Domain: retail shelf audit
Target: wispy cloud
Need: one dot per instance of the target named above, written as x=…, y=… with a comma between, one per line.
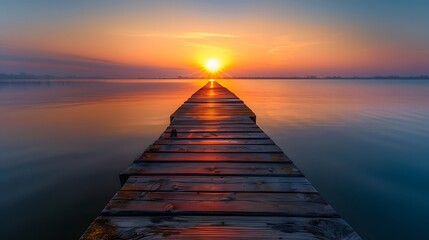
x=293, y=46
x=14, y=61
x=185, y=35
x=201, y=35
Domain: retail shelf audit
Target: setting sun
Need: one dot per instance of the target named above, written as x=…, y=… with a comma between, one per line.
x=212, y=65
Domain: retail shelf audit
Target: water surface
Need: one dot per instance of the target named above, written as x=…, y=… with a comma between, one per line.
x=364, y=144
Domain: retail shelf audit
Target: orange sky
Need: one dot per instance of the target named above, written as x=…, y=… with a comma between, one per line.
x=250, y=38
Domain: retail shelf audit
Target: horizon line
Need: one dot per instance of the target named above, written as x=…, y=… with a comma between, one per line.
x=12, y=76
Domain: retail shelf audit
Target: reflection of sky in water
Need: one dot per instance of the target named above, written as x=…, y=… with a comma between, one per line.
x=363, y=144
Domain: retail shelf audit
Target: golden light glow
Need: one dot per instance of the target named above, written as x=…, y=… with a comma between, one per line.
x=267, y=40
x=212, y=65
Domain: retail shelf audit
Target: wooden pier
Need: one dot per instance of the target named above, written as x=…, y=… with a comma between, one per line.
x=221, y=177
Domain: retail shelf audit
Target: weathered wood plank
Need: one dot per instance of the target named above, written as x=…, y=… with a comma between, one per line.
x=215, y=129
x=214, y=135
x=213, y=94
x=201, y=107
x=185, y=108
x=205, y=157
x=219, y=228
x=186, y=126
x=213, y=118
x=216, y=197
x=169, y=141
x=126, y=203
x=212, y=124
x=210, y=169
x=214, y=100
x=213, y=114
x=215, y=148
x=219, y=184
x=182, y=121
x=214, y=104
x=213, y=111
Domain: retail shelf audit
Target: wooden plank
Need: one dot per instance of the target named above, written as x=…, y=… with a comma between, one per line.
x=214, y=100
x=182, y=141
x=216, y=197
x=218, y=126
x=219, y=184
x=182, y=121
x=203, y=125
x=215, y=129
x=219, y=228
x=213, y=125
x=219, y=111
x=213, y=118
x=211, y=91
x=210, y=108
x=215, y=104
x=214, y=113
x=132, y=203
x=215, y=148
x=213, y=95
x=226, y=157
x=214, y=135
x=214, y=89
x=210, y=169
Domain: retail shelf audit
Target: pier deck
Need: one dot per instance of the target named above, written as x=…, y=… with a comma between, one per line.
x=222, y=177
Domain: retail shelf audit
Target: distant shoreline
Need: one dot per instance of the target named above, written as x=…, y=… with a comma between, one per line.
x=24, y=76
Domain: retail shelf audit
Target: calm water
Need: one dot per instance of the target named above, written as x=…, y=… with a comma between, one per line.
x=363, y=144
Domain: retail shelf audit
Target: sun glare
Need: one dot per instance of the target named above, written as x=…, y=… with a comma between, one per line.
x=212, y=65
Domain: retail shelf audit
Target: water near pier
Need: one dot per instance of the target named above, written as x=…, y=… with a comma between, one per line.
x=363, y=144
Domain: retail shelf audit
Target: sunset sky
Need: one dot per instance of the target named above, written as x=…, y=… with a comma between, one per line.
x=250, y=38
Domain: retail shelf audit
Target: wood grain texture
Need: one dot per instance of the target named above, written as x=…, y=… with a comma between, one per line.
x=215, y=148
x=213, y=100
x=212, y=168
x=219, y=177
x=213, y=118
x=132, y=203
x=172, y=125
x=219, y=228
x=186, y=121
x=219, y=184
x=217, y=157
x=233, y=135
x=209, y=129
x=236, y=141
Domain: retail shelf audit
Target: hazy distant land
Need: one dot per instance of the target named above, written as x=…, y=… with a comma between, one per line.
x=34, y=76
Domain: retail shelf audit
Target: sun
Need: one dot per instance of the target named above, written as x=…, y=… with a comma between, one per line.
x=212, y=65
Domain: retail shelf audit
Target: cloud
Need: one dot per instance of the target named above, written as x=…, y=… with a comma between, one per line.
x=289, y=46
x=201, y=35
x=185, y=36
x=37, y=62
